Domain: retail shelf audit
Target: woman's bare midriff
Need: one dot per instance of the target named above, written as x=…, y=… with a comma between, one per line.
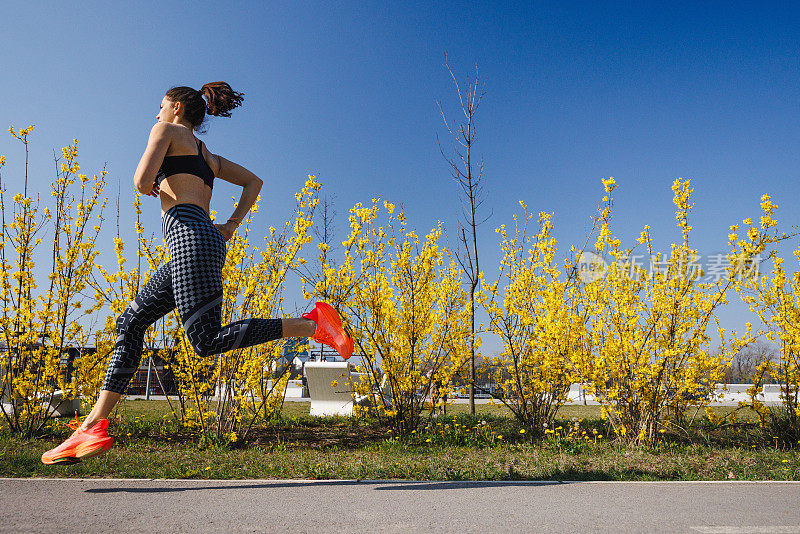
x=184, y=189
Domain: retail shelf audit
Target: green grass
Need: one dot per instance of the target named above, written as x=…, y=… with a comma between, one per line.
x=455, y=447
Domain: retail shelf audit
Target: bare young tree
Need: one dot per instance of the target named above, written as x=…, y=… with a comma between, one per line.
x=469, y=177
x=324, y=232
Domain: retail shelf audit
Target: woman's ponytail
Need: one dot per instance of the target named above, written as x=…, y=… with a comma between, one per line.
x=221, y=99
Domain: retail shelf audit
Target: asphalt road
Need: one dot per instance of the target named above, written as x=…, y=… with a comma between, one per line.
x=109, y=505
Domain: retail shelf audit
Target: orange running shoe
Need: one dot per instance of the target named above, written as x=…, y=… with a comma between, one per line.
x=81, y=444
x=330, y=330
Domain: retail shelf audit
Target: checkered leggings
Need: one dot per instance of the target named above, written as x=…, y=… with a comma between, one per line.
x=191, y=282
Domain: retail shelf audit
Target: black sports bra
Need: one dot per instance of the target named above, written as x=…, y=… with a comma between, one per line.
x=189, y=164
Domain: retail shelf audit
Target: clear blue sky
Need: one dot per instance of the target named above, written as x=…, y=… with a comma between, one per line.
x=644, y=92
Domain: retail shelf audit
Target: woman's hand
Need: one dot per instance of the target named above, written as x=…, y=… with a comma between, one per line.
x=226, y=230
x=155, y=191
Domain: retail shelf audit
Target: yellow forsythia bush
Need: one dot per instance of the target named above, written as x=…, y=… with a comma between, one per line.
x=39, y=322
x=648, y=331
x=402, y=298
x=538, y=316
x=775, y=299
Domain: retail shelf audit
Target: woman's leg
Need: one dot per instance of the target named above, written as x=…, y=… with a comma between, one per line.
x=153, y=302
x=298, y=327
x=108, y=399
x=102, y=408
x=197, y=252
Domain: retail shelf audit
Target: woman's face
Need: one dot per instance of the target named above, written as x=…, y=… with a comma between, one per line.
x=168, y=110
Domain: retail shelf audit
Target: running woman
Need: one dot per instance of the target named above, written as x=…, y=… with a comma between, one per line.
x=179, y=169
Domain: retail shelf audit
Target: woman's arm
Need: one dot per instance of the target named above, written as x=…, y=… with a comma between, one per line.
x=251, y=184
x=157, y=146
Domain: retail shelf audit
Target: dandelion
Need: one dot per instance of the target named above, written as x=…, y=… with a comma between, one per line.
x=521, y=430
x=208, y=469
